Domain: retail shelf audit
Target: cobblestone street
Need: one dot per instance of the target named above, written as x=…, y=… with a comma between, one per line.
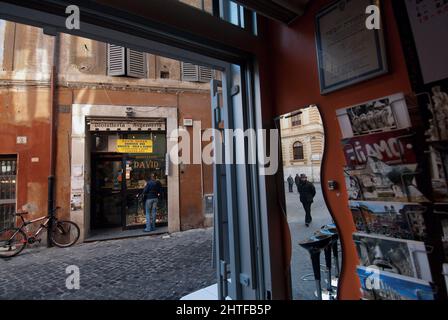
x=138, y=268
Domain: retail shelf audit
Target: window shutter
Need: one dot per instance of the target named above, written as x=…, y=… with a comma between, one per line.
x=136, y=64
x=116, y=60
x=190, y=72
x=205, y=74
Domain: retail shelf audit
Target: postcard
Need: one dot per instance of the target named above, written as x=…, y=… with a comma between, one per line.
x=405, y=257
x=390, y=219
x=380, y=285
x=378, y=181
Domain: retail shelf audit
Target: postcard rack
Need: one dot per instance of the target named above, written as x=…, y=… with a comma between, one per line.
x=396, y=177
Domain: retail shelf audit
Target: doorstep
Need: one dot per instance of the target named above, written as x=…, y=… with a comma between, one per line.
x=114, y=234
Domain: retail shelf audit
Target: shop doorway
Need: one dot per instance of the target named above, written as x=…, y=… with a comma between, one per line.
x=118, y=178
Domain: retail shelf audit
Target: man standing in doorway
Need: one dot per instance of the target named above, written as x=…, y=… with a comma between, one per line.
x=307, y=192
x=297, y=180
x=151, y=194
x=290, y=183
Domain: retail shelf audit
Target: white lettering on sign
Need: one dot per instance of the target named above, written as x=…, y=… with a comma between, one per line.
x=105, y=125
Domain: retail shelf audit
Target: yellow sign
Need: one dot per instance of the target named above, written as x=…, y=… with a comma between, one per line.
x=134, y=146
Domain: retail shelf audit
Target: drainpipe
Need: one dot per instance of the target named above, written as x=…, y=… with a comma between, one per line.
x=53, y=128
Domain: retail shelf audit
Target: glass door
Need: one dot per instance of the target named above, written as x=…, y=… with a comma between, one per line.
x=108, y=192
x=139, y=167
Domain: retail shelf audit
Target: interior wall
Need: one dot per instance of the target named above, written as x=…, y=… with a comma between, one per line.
x=295, y=83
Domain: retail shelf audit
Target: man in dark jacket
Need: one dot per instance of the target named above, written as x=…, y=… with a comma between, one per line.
x=151, y=194
x=290, y=183
x=307, y=192
x=297, y=180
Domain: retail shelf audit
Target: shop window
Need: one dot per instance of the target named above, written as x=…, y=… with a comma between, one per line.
x=123, y=61
x=194, y=73
x=298, y=151
x=8, y=172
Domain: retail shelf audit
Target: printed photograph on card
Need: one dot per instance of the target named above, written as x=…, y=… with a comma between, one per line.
x=390, y=219
x=439, y=167
x=372, y=117
x=378, y=181
x=379, y=285
x=404, y=257
x=375, y=116
x=445, y=273
x=442, y=214
x=394, y=147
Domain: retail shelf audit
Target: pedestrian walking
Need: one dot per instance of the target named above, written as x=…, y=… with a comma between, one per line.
x=297, y=181
x=290, y=183
x=307, y=193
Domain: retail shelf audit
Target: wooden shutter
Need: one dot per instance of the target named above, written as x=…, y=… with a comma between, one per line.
x=205, y=74
x=136, y=64
x=190, y=72
x=116, y=64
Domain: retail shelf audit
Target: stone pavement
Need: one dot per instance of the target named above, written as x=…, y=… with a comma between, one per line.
x=301, y=262
x=140, y=268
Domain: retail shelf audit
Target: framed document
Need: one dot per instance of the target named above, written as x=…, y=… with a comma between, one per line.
x=347, y=51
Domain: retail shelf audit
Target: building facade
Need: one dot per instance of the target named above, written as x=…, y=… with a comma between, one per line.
x=302, y=139
x=112, y=111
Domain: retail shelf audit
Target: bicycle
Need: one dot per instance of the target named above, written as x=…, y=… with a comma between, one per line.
x=13, y=240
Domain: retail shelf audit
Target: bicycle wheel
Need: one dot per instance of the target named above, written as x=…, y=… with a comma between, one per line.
x=64, y=233
x=12, y=242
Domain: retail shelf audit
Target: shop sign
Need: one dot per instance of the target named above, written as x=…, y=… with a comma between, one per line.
x=148, y=164
x=134, y=146
x=126, y=125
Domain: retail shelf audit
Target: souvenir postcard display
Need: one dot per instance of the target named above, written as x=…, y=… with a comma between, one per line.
x=389, y=207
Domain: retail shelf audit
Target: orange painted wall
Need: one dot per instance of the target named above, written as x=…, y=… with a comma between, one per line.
x=295, y=84
x=25, y=113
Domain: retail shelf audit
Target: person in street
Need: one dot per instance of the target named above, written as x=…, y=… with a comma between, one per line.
x=290, y=183
x=151, y=194
x=297, y=181
x=307, y=193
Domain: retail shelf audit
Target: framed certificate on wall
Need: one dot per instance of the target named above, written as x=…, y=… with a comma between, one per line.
x=347, y=51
